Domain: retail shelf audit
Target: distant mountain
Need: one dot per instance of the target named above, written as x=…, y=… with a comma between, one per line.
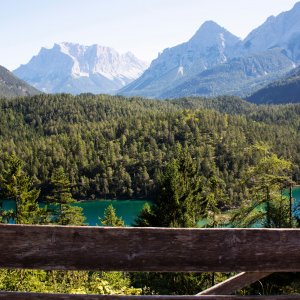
x=210, y=46
x=74, y=68
x=281, y=32
x=239, y=76
x=215, y=62
x=286, y=90
x=11, y=86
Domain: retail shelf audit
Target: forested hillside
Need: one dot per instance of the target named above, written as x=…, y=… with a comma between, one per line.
x=286, y=90
x=12, y=86
x=117, y=147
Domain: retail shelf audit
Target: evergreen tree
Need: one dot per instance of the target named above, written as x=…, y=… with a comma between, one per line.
x=110, y=218
x=213, y=195
x=145, y=217
x=178, y=202
x=60, y=200
x=265, y=182
x=15, y=184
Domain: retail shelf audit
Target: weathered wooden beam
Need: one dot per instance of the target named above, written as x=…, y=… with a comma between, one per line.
x=33, y=296
x=234, y=283
x=149, y=249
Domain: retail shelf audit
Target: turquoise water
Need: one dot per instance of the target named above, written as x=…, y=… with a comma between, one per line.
x=92, y=209
x=296, y=197
x=127, y=209
x=7, y=204
x=296, y=193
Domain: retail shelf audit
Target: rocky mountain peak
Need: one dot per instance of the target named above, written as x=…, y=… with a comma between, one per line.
x=210, y=33
x=74, y=68
x=282, y=31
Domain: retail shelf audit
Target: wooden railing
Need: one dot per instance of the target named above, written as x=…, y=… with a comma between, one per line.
x=255, y=252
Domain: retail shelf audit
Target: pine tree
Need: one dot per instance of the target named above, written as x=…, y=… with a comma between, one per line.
x=110, y=218
x=15, y=184
x=178, y=202
x=145, y=217
x=265, y=182
x=60, y=200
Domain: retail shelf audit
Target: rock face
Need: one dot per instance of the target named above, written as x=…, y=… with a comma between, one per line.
x=11, y=86
x=215, y=62
x=281, y=32
x=210, y=46
x=74, y=68
x=239, y=76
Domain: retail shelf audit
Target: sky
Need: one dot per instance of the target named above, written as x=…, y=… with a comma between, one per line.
x=144, y=27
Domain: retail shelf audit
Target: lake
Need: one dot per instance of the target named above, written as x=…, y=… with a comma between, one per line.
x=296, y=196
x=296, y=193
x=92, y=209
x=127, y=209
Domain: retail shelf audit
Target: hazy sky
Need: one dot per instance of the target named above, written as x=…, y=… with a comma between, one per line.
x=144, y=27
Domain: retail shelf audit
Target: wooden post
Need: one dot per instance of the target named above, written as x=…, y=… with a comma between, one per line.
x=234, y=283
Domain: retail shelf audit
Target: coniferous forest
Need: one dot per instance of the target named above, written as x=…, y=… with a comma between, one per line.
x=220, y=159
x=116, y=147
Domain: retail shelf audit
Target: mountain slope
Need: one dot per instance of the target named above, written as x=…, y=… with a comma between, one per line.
x=282, y=32
x=286, y=90
x=210, y=46
x=239, y=76
x=11, y=86
x=75, y=69
x=239, y=68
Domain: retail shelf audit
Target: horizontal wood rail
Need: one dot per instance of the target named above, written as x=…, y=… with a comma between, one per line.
x=149, y=249
x=36, y=296
x=257, y=252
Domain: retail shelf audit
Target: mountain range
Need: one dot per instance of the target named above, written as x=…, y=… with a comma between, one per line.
x=215, y=62
x=11, y=86
x=74, y=68
x=212, y=62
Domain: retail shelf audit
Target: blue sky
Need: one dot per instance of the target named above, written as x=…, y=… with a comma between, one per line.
x=144, y=27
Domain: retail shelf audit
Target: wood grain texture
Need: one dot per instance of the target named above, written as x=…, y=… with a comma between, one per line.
x=149, y=249
x=234, y=283
x=32, y=296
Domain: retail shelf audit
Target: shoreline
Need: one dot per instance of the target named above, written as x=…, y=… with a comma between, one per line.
x=96, y=199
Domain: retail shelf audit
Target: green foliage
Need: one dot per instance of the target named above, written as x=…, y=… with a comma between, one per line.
x=178, y=200
x=15, y=184
x=264, y=182
x=60, y=197
x=285, y=90
x=112, y=147
x=110, y=218
x=71, y=282
x=213, y=198
x=60, y=188
x=171, y=283
x=181, y=201
x=145, y=217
